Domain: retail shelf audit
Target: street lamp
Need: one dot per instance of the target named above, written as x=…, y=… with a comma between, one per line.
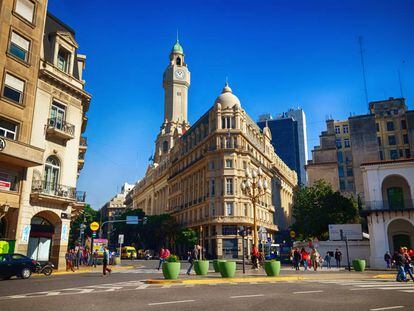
x=254, y=186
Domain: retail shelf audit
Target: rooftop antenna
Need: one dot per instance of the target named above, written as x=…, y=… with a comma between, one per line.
x=360, y=41
x=227, y=80
x=177, y=35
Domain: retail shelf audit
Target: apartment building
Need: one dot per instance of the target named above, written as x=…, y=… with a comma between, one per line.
x=42, y=118
x=197, y=171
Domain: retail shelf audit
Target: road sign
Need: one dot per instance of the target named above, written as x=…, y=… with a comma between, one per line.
x=292, y=234
x=121, y=239
x=132, y=220
x=94, y=234
x=94, y=226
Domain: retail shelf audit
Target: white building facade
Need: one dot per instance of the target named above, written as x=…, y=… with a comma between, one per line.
x=389, y=206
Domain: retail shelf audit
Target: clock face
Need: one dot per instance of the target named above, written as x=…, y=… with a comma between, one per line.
x=180, y=74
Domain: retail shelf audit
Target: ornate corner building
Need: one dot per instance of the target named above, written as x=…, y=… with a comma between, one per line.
x=43, y=105
x=197, y=171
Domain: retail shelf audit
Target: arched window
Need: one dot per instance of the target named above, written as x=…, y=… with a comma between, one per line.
x=165, y=146
x=52, y=171
x=178, y=61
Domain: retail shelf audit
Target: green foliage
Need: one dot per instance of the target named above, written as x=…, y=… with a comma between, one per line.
x=86, y=216
x=172, y=258
x=187, y=238
x=318, y=206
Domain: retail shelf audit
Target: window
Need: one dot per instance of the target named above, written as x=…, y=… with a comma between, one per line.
x=13, y=88
x=340, y=171
x=57, y=115
x=377, y=126
x=338, y=144
x=229, y=186
x=244, y=165
x=381, y=155
x=212, y=208
x=342, y=184
x=178, y=61
x=229, y=208
x=407, y=153
x=340, y=157
x=19, y=46
x=246, y=210
x=229, y=163
x=337, y=129
x=393, y=154
x=229, y=230
x=403, y=124
x=405, y=139
x=63, y=60
x=25, y=8
x=395, y=111
x=9, y=180
x=379, y=141
x=346, y=143
x=212, y=165
x=345, y=129
x=391, y=140
x=401, y=153
x=349, y=172
x=165, y=146
x=52, y=170
x=390, y=126
x=8, y=129
x=212, y=188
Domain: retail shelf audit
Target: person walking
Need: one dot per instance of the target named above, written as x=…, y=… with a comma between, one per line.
x=255, y=257
x=69, y=261
x=338, y=257
x=398, y=260
x=193, y=255
x=105, y=262
x=305, y=257
x=328, y=260
x=94, y=258
x=408, y=268
x=296, y=259
x=387, y=258
x=314, y=256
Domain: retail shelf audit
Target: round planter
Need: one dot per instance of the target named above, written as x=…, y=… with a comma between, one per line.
x=359, y=265
x=272, y=268
x=201, y=267
x=227, y=269
x=216, y=264
x=170, y=270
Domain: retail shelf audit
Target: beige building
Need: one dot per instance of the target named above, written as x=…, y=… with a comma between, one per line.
x=43, y=107
x=197, y=171
x=387, y=133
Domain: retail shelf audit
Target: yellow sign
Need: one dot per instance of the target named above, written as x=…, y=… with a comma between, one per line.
x=292, y=234
x=94, y=226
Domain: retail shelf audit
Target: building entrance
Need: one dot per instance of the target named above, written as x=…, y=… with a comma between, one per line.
x=40, y=240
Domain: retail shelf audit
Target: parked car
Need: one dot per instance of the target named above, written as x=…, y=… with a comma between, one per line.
x=129, y=252
x=16, y=265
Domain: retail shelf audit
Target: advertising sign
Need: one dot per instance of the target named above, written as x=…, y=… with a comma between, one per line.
x=65, y=233
x=351, y=231
x=25, y=234
x=98, y=245
x=94, y=226
x=5, y=185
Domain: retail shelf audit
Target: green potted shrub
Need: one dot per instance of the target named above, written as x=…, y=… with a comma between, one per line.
x=171, y=267
x=227, y=269
x=359, y=265
x=201, y=267
x=216, y=264
x=272, y=267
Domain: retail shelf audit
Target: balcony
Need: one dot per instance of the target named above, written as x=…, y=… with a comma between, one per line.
x=80, y=196
x=377, y=206
x=81, y=161
x=20, y=154
x=83, y=144
x=59, y=128
x=51, y=192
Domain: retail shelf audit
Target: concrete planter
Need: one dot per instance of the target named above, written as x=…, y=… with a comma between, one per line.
x=227, y=269
x=272, y=268
x=216, y=264
x=170, y=270
x=359, y=265
x=201, y=267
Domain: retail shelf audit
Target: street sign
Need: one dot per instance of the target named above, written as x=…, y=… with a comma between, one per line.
x=121, y=239
x=94, y=234
x=292, y=234
x=94, y=226
x=132, y=220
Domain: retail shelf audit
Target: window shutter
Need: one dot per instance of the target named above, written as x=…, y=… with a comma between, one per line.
x=25, y=8
x=20, y=41
x=15, y=83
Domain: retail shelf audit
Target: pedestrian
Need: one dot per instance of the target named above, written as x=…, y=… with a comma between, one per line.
x=305, y=257
x=387, y=258
x=398, y=260
x=105, y=262
x=328, y=260
x=193, y=255
x=338, y=257
x=408, y=268
x=314, y=256
x=255, y=257
x=297, y=257
x=69, y=263
x=94, y=258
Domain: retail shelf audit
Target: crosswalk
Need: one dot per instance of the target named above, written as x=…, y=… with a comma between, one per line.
x=371, y=284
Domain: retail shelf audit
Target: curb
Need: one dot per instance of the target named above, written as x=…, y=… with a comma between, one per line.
x=227, y=280
x=384, y=276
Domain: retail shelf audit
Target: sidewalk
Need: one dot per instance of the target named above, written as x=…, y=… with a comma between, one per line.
x=83, y=269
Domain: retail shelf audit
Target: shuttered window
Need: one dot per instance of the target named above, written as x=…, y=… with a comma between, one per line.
x=25, y=8
x=13, y=88
x=19, y=46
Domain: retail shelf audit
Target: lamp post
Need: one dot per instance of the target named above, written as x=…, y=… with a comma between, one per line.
x=254, y=186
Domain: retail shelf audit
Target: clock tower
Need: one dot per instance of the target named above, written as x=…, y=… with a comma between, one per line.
x=176, y=81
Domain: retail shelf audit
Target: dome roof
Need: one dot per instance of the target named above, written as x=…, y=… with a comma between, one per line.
x=227, y=99
x=177, y=48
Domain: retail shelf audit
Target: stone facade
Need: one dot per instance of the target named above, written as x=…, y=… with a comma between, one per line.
x=197, y=179
x=39, y=222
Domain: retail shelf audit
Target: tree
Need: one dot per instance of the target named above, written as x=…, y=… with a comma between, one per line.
x=86, y=216
x=318, y=206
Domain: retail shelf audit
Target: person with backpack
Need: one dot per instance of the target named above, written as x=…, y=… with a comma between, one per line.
x=193, y=255
x=105, y=262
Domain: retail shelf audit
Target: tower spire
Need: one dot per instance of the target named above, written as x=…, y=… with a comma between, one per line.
x=177, y=36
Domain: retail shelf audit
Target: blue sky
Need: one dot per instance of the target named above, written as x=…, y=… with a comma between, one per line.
x=277, y=55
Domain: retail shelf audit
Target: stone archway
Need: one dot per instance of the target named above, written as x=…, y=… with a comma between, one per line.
x=396, y=193
x=400, y=233
x=44, y=239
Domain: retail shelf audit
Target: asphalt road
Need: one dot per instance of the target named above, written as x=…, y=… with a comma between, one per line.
x=126, y=291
